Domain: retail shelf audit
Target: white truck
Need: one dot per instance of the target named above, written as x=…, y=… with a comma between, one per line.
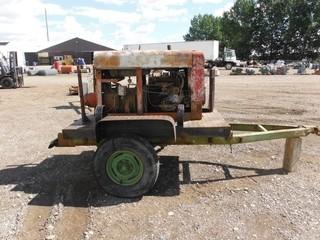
x=209, y=48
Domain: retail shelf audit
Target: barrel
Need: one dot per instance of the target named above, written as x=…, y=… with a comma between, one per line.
x=57, y=65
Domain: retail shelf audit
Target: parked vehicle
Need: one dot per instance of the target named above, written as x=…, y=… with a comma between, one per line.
x=11, y=76
x=210, y=50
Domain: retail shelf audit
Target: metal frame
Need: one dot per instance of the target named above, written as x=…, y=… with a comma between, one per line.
x=219, y=132
x=240, y=133
x=246, y=133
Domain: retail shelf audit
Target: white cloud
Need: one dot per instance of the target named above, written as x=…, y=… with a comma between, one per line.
x=69, y=27
x=129, y=35
x=18, y=8
x=137, y=26
x=116, y=2
x=22, y=24
x=220, y=11
x=108, y=16
x=207, y=1
x=161, y=10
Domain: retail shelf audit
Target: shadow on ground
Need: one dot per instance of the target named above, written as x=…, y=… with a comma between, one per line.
x=69, y=179
x=68, y=107
x=18, y=87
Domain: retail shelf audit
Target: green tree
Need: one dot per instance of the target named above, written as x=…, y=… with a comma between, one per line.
x=271, y=29
x=269, y=25
x=303, y=29
x=237, y=27
x=204, y=27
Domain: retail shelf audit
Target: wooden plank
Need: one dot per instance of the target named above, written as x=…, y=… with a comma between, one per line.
x=209, y=120
x=211, y=125
x=292, y=154
x=79, y=130
x=98, y=87
x=139, y=91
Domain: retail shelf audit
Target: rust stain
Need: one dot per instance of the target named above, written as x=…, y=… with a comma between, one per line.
x=197, y=78
x=112, y=61
x=177, y=59
x=144, y=59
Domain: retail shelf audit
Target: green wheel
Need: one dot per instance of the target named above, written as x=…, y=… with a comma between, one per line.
x=126, y=166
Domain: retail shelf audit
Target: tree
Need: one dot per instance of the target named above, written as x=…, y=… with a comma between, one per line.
x=304, y=28
x=204, y=27
x=271, y=29
x=237, y=27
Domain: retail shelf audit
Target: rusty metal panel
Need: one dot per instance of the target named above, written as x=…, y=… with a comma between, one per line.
x=97, y=87
x=139, y=91
x=143, y=59
x=197, y=78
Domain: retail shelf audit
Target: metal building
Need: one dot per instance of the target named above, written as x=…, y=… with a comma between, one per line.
x=76, y=47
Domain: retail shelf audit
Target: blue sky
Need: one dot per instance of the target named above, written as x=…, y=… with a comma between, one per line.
x=108, y=22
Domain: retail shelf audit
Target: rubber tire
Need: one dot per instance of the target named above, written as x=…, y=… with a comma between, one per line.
x=228, y=66
x=139, y=146
x=7, y=82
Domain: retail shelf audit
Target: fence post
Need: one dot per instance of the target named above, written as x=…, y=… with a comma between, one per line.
x=292, y=153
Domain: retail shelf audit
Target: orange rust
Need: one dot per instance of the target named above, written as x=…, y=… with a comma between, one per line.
x=97, y=87
x=177, y=59
x=109, y=60
x=144, y=59
x=187, y=117
x=139, y=91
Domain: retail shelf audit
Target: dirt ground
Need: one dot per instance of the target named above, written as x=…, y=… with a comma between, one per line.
x=243, y=194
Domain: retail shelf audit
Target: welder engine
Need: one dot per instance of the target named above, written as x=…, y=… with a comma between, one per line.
x=165, y=90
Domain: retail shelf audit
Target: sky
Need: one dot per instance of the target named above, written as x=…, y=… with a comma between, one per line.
x=112, y=23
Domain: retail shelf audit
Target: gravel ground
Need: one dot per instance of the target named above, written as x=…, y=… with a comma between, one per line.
x=243, y=194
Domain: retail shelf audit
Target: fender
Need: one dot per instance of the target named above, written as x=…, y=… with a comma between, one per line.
x=157, y=129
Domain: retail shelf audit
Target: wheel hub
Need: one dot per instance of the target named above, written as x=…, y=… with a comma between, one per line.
x=124, y=168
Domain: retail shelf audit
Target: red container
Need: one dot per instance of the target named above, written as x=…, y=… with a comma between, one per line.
x=57, y=65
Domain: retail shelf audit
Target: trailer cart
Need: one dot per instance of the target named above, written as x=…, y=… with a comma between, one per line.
x=149, y=99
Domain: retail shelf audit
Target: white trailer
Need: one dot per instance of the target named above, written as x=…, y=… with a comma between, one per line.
x=210, y=49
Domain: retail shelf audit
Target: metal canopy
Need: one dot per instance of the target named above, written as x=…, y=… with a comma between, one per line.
x=143, y=59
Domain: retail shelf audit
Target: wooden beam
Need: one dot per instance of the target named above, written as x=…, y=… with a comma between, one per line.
x=292, y=154
x=97, y=88
x=139, y=91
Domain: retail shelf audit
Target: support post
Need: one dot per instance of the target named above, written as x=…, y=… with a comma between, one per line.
x=211, y=89
x=292, y=154
x=83, y=112
x=97, y=86
x=139, y=91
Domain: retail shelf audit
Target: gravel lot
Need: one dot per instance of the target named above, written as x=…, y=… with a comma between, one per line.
x=243, y=194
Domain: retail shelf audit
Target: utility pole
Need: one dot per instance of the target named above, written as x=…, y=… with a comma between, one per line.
x=45, y=15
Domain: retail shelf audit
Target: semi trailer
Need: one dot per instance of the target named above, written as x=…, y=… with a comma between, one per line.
x=209, y=48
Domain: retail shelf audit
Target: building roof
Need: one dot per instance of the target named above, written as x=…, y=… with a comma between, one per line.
x=3, y=43
x=76, y=45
